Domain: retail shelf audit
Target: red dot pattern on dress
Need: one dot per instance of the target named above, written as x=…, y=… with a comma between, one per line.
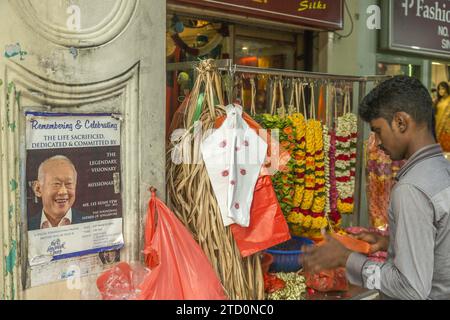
x=225, y=173
x=223, y=144
x=237, y=206
x=243, y=172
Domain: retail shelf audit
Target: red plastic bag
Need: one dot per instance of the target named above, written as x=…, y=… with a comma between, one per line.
x=180, y=268
x=326, y=281
x=272, y=283
x=121, y=282
x=268, y=227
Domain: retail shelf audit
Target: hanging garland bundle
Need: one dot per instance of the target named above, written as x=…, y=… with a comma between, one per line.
x=292, y=127
x=346, y=135
x=310, y=177
x=319, y=192
x=299, y=123
x=310, y=221
x=283, y=181
x=335, y=216
x=326, y=151
x=307, y=219
x=319, y=185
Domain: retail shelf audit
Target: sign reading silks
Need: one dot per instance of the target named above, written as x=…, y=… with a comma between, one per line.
x=233, y=156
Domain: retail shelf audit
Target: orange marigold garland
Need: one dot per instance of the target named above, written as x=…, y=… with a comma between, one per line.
x=310, y=178
x=298, y=122
x=308, y=219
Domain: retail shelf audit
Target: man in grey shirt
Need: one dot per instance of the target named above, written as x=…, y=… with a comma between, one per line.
x=418, y=265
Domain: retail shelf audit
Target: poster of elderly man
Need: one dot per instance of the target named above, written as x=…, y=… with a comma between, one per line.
x=74, y=204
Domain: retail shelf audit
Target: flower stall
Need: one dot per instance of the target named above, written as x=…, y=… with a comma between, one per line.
x=313, y=155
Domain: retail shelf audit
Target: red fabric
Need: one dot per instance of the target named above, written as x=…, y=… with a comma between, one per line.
x=268, y=227
x=180, y=269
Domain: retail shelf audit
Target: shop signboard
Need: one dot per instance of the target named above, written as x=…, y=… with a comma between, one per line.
x=417, y=26
x=321, y=14
x=74, y=204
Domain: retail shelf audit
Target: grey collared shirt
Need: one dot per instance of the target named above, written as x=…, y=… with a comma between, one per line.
x=418, y=262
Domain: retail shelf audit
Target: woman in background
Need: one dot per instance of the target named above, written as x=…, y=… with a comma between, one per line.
x=443, y=116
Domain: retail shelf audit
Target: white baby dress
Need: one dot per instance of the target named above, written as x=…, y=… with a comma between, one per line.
x=233, y=156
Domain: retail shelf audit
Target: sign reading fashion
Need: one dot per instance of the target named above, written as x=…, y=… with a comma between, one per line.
x=74, y=204
x=427, y=20
x=325, y=14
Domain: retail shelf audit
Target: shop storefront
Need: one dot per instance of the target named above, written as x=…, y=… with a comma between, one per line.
x=263, y=58
x=265, y=34
x=426, y=55
x=78, y=88
x=306, y=209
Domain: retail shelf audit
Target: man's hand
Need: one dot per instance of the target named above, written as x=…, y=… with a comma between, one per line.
x=331, y=255
x=377, y=241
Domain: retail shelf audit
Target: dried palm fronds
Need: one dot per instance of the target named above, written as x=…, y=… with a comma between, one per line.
x=191, y=196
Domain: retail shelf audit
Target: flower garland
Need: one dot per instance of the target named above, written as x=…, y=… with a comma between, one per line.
x=298, y=121
x=310, y=178
x=294, y=219
x=326, y=152
x=381, y=171
x=333, y=195
x=283, y=181
x=346, y=134
x=297, y=188
x=318, y=206
x=308, y=218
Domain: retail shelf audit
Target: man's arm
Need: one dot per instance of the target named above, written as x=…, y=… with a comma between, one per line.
x=409, y=274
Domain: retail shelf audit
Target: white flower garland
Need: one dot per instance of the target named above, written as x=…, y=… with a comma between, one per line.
x=346, y=148
x=326, y=150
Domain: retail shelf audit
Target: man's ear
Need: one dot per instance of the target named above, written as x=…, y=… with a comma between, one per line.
x=402, y=121
x=37, y=189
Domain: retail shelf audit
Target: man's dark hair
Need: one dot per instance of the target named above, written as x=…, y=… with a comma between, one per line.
x=399, y=94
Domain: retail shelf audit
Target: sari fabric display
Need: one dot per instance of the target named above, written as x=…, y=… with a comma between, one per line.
x=443, y=123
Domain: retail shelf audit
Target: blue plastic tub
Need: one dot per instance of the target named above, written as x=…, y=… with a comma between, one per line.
x=286, y=255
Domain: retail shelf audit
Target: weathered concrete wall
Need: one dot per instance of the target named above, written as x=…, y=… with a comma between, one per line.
x=117, y=61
